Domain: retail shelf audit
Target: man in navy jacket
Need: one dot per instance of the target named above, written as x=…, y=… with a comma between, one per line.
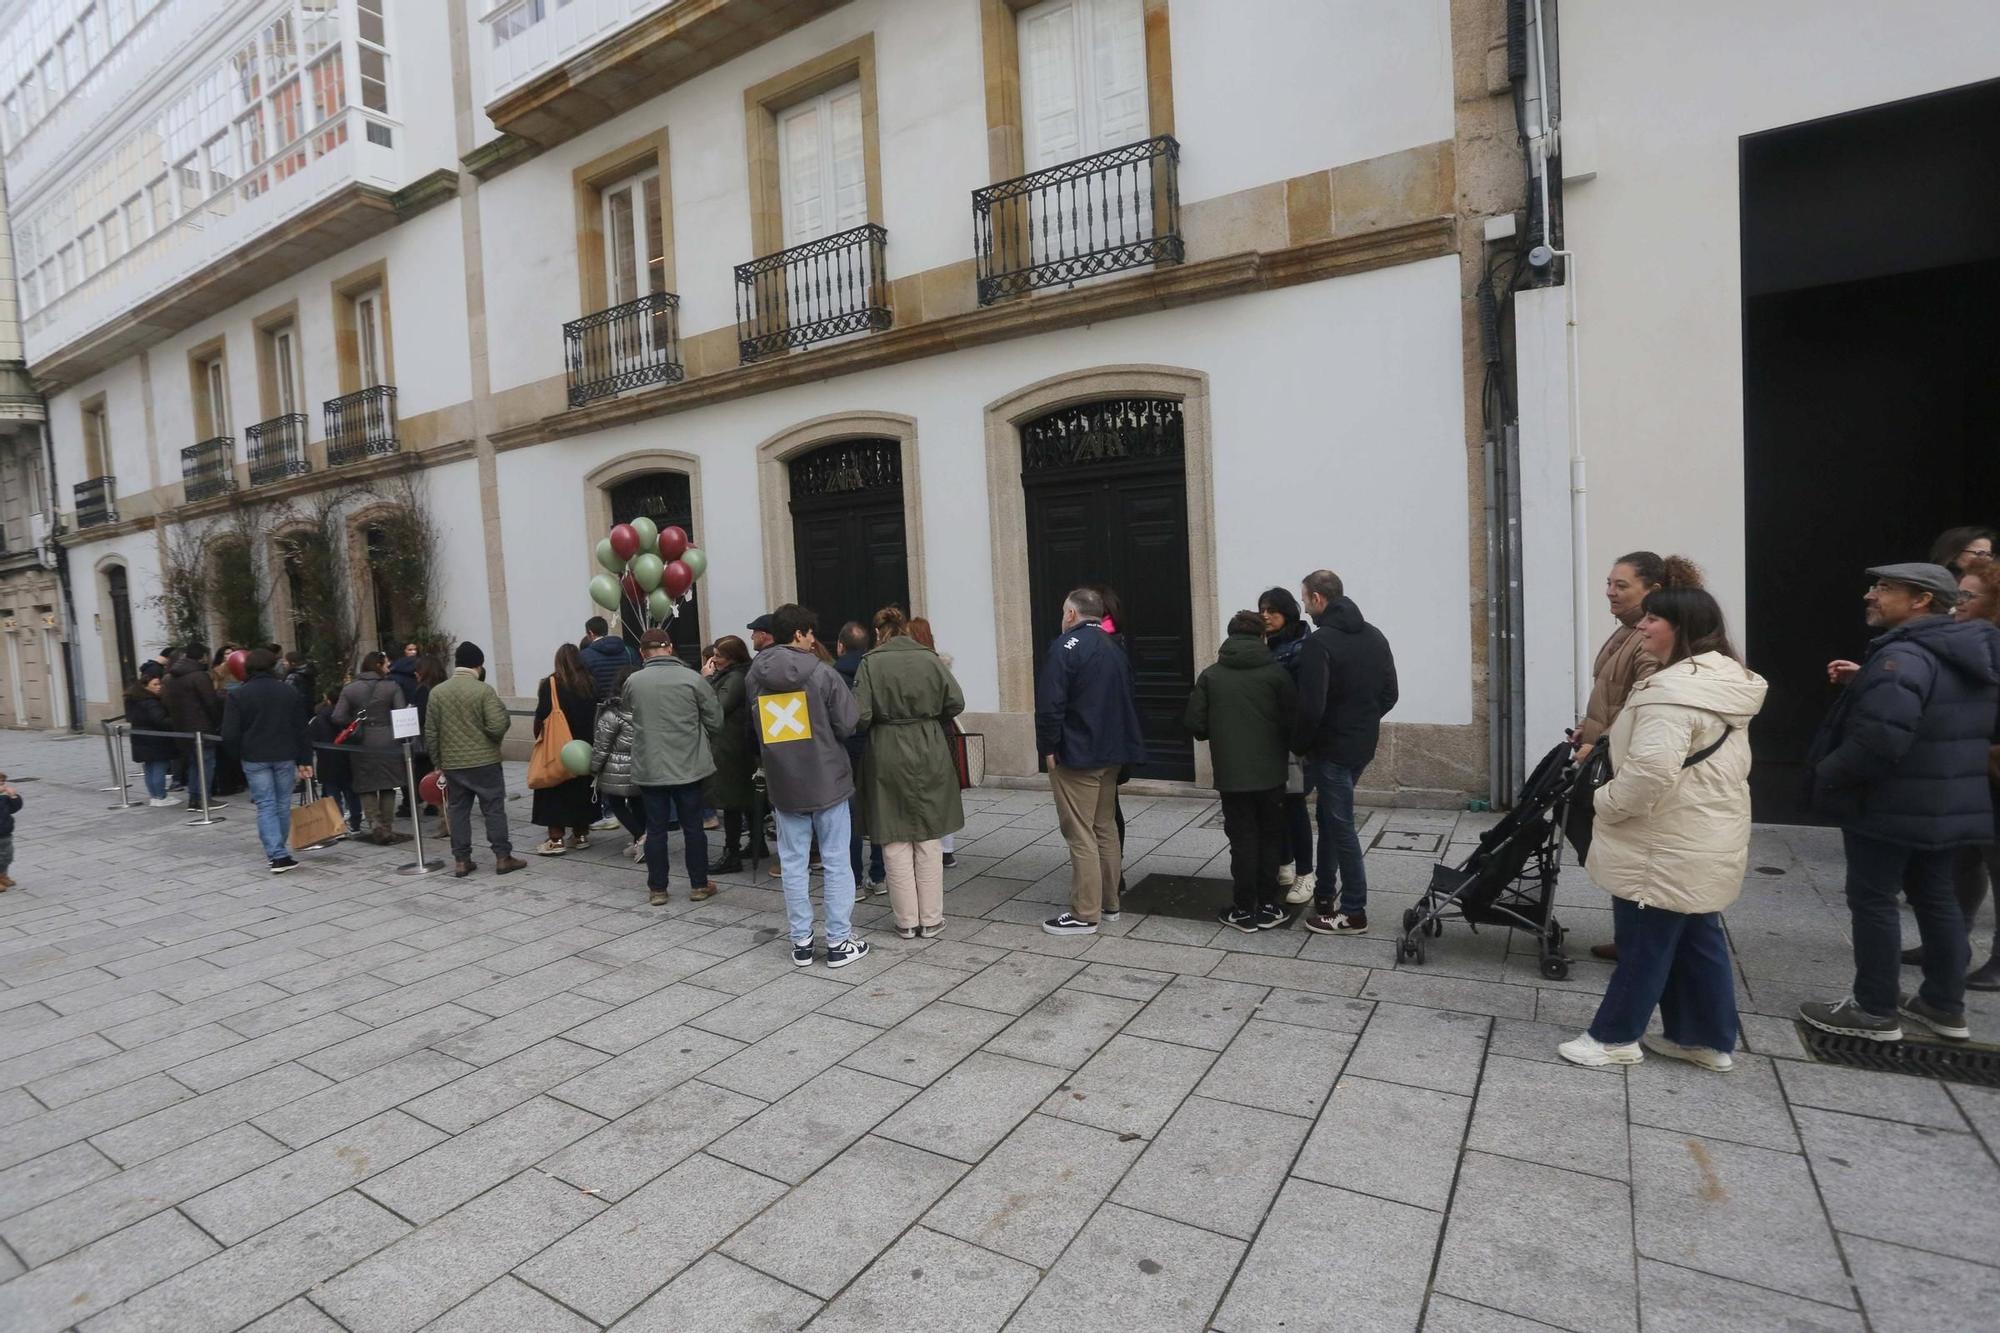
x=1900, y=764
x=1086, y=729
x=264, y=721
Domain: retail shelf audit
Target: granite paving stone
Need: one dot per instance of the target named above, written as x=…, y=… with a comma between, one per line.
x=793, y=1137
x=262, y=1198
x=1558, y=1115
x=1427, y=1048
x=1913, y=1101
x=81, y=1119
x=719, y=1295
x=891, y=996
x=73, y=1288
x=434, y=1182
x=1389, y=1140
x=1065, y=1028
x=1127, y=1269
x=465, y=1101
x=1198, y=1011
x=1278, y=1068
x=357, y=1098
x=1747, y=1106
x=1683, y=1300
x=761, y=1012
x=1379, y=1284
x=1215, y=1165
x=260, y=1053
x=790, y=1056
x=1449, y=1314
x=507, y=1306
x=633, y=1149
x=973, y=1107
x=1291, y=974
x=1131, y=1086
x=1433, y=991
x=934, y=1282
x=1014, y=984
x=1907, y=1184
x=299, y=1316
x=1908, y=1291
x=524, y=1027
x=623, y=1083
x=1310, y=1009
x=360, y=1054
x=929, y=1042
x=1034, y=1192
x=1131, y=983
x=168, y=1128
x=36, y=1181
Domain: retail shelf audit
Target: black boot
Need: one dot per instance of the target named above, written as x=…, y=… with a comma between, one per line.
x=731, y=863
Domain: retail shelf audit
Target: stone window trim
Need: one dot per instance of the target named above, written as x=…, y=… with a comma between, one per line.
x=587, y=184
x=200, y=356
x=848, y=63
x=597, y=487
x=1011, y=741
x=347, y=328
x=269, y=404
x=107, y=622
x=774, y=455
x=1001, y=56
x=96, y=454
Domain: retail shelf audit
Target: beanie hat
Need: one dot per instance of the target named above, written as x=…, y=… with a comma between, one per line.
x=468, y=655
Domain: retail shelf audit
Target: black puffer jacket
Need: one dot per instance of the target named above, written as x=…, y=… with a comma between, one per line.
x=1347, y=681
x=147, y=713
x=1902, y=756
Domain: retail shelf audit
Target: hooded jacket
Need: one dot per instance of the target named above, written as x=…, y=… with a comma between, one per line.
x=909, y=784
x=403, y=671
x=191, y=698
x=1672, y=836
x=804, y=713
x=264, y=722
x=674, y=716
x=602, y=657
x=1347, y=682
x=611, y=750
x=1902, y=756
x=1086, y=714
x=1243, y=706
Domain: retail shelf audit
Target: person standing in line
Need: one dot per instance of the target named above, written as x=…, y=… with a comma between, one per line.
x=605, y=655
x=1975, y=867
x=1672, y=840
x=10, y=805
x=729, y=789
x=804, y=714
x=909, y=785
x=299, y=675
x=1959, y=549
x=761, y=633
x=1901, y=765
x=264, y=724
x=463, y=727
x=1347, y=683
x=403, y=671
x=1243, y=707
x=194, y=706
x=1285, y=635
x=1086, y=729
x=567, y=804
x=920, y=630
x=378, y=765
x=146, y=711
x=611, y=763
x=855, y=641
x=1113, y=624
x=332, y=764
x=675, y=717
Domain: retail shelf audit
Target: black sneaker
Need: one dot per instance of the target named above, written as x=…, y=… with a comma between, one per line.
x=1068, y=924
x=951, y=860
x=1913, y=956
x=1945, y=1023
x=280, y=864
x=1270, y=916
x=1237, y=919
x=845, y=952
x=1849, y=1019
x=1986, y=978
x=802, y=954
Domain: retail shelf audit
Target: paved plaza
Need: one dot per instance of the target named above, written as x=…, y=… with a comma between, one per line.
x=346, y=1099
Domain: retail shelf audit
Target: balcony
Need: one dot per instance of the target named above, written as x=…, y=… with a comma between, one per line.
x=278, y=449
x=361, y=426
x=624, y=347
x=823, y=289
x=1063, y=224
x=96, y=502
x=208, y=469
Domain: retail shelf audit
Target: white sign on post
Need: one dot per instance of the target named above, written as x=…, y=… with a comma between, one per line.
x=403, y=724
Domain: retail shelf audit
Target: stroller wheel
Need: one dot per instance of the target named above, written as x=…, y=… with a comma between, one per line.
x=1555, y=969
x=1411, y=949
x=1434, y=927
x=1409, y=919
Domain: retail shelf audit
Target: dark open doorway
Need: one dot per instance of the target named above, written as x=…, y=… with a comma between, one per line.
x=852, y=553
x=1871, y=267
x=668, y=499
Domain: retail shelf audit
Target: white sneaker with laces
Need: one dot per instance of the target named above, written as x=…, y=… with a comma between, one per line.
x=1719, y=1061
x=1287, y=872
x=1302, y=889
x=606, y=824
x=1588, y=1050
x=162, y=802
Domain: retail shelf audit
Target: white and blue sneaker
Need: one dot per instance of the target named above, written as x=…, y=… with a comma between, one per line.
x=802, y=953
x=843, y=953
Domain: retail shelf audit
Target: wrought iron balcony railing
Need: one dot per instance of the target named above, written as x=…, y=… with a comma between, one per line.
x=822, y=289
x=361, y=425
x=96, y=502
x=624, y=347
x=209, y=468
x=1113, y=210
x=278, y=449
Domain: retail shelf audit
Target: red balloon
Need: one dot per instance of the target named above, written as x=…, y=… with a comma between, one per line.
x=430, y=788
x=631, y=587
x=624, y=541
x=238, y=664
x=672, y=542
x=676, y=578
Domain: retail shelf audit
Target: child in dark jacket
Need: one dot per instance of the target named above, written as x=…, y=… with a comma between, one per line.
x=10, y=801
x=1244, y=707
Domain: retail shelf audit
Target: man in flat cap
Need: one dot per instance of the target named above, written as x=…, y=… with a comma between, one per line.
x=1900, y=765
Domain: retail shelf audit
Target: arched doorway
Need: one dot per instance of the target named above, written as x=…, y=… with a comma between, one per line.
x=848, y=536
x=118, y=596
x=1106, y=490
x=668, y=499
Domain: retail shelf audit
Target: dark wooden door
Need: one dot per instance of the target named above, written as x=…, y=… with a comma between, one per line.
x=1106, y=490
x=848, y=538
x=121, y=623
x=668, y=499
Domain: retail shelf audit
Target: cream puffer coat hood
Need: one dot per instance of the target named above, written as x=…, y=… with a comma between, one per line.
x=1669, y=836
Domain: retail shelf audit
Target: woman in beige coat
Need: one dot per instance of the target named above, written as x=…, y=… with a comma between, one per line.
x=1673, y=840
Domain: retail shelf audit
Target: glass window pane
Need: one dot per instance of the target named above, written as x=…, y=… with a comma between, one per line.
x=656, y=259
x=374, y=79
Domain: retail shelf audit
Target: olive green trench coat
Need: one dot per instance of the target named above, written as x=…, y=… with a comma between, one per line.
x=909, y=785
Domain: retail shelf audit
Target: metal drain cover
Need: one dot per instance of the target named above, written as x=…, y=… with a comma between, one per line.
x=1406, y=840
x=1956, y=1062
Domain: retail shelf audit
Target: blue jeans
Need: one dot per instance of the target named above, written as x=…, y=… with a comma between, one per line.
x=271, y=787
x=1339, y=837
x=156, y=777
x=1878, y=873
x=795, y=839
x=663, y=804
x=1677, y=962
x=877, y=872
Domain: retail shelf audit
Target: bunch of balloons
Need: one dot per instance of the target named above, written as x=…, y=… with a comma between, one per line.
x=649, y=571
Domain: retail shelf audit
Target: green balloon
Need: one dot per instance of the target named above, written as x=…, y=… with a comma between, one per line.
x=649, y=534
x=696, y=560
x=604, y=591
x=608, y=557
x=646, y=570
x=659, y=606
x=576, y=757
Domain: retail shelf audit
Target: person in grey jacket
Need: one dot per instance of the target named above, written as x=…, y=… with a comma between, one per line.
x=674, y=714
x=611, y=761
x=804, y=714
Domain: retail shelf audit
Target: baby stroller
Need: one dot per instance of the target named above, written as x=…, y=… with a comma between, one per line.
x=1510, y=878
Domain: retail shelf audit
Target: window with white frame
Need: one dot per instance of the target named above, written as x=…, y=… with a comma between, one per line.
x=634, y=260
x=1083, y=78
x=96, y=442
x=281, y=347
x=368, y=337
x=822, y=176
x=212, y=376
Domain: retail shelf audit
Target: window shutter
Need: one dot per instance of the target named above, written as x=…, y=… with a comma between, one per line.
x=1051, y=108
x=1118, y=73
x=802, y=180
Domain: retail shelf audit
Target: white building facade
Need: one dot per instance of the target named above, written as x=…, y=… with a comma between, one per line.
x=952, y=303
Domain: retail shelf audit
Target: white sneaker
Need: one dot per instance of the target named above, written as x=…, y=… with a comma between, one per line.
x=1302, y=889
x=1720, y=1061
x=606, y=824
x=162, y=802
x=1588, y=1050
x=1287, y=872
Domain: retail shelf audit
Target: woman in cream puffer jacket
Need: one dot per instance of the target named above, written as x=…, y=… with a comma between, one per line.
x=1672, y=840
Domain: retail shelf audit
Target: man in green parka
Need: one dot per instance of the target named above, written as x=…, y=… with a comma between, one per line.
x=1243, y=707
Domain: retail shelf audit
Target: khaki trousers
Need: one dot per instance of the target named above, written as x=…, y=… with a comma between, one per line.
x=1086, y=806
x=916, y=882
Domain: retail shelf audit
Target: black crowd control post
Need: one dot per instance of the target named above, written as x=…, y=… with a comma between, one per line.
x=418, y=866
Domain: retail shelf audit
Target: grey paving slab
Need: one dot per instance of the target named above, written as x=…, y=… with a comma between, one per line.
x=1744, y=1106
x=1388, y=1139
x=285, y=1009
x=934, y=1282
x=1558, y=1115
x=100, y=1075
x=524, y=1027
x=744, y=972
x=1127, y=1269
x=1130, y=983
x=46, y=1061
x=893, y=995
x=1292, y=974
x=1541, y=1243
x=1682, y=1300
x=509, y=1306
x=360, y=1054
x=198, y=1117
x=827, y=1230
x=632, y=1150
x=299, y=1316
x=1449, y=1314
x=434, y=1182
x=1906, y=1184
x=1014, y=984
x=618, y=1258
x=257, y=1054
x=1905, y=1290
x=972, y=1108
x=1215, y=1165
x=1981, y=1107
x=38, y=1134
x=1198, y=1011
x=764, y=1010
x=1126, y=952
x=1285, y=1285
x=1278, y=1067
x=626, y=1082
x=467, y=1100
x=261, y=1198
x=36, y=1181
x=419, y=1277
x=1065, y=1028
x=360, y=1096
x=719, y=1295
x=1445, y=992
x=100, y=1275
x=1311, y=1009
x=1913, y=1101
x=1131, y=1086
x=790, y=1056
x=1034, y=1192
x=794, y=1137
x=929, y=1042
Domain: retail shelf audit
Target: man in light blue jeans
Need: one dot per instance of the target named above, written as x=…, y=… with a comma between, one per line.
x=264, y=721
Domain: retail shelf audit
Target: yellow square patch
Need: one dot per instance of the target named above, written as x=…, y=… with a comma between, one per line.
x=785, y=717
